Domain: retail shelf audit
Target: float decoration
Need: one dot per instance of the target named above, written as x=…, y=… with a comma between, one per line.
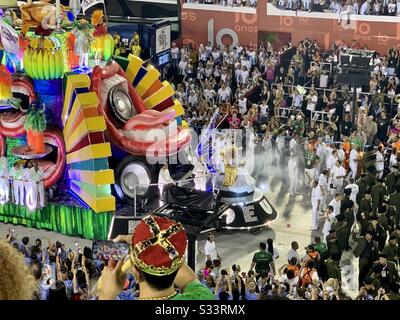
x=82, y=43
x=6, y=98
x=103, y=43
x=43, y=60
x=35, y=125
x=34, y=13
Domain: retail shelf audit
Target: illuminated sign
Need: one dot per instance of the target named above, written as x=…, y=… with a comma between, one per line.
x=163, y=59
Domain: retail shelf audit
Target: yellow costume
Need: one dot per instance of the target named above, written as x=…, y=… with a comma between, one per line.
x=136, y=50
x=231, y=164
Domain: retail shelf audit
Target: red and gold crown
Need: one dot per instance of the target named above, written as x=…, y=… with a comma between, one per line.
x=158, y=246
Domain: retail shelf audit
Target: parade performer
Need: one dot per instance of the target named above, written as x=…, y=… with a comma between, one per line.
x=316, y=197
x=27, y=180
x=82, y=43
x=231, y=164
x=4, y=182
x=164, y=178
x=37, y=186
x=103, y=44
x=279, y=95
x=200, y=174
x=311, y=161
x=16, y=174
x=353, y=161
x=156, y=260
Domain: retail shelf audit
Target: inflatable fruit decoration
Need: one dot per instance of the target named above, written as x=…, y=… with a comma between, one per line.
x=43, y=60
x=103, y=43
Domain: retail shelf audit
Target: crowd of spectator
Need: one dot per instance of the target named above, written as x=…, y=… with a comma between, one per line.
x=50, y=271
x=363, y=7
x=230, y=3
x=306, y=125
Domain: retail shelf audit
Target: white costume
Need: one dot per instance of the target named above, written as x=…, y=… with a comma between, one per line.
x=316, y=196
x=323, y=183
x=336, y=207
x=38, y=187
x=330, y=217
x=28, y=184
x=379, y=165
x=353, y=163
x=18, y=185
x=210, y=250
x=353, y=196
x=330, y=163
x=293, y=176
x=336, y=181
x=164, y=178
x=200, y=178
x=4, y=182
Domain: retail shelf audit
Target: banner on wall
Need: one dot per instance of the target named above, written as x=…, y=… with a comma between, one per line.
x=9, y=38
x=228, y=28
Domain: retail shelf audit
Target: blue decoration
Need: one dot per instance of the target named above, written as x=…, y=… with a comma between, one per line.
x=70, y=16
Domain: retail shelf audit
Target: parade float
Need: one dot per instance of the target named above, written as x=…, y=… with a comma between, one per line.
x=100, y=127
x=82, y=115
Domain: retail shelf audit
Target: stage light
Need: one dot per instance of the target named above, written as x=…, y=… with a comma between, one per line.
x=263, y=187
x=262, y=183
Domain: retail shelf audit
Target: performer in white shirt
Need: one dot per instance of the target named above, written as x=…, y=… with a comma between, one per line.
x=338, y=173
x=293, y=172
x=323, y=183
x=37, y=186
x=336, y=203
x=329, y=219
x=316, y=197
x=210, y=249
x=164, y=178
x=16, y=174
x=27, y=180
x=379, y=163
x=4, y=180
x=354, y=189
x=200, y=174
x=331, y=160
x=353, y=162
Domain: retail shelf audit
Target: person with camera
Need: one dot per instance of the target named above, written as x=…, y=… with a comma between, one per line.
x=157, y=263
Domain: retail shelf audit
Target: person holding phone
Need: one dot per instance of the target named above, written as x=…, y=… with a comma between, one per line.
x=157, y=272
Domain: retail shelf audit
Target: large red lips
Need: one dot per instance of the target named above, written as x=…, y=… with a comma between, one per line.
x=12, y=126
x=134, y=137
x=12, y=122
